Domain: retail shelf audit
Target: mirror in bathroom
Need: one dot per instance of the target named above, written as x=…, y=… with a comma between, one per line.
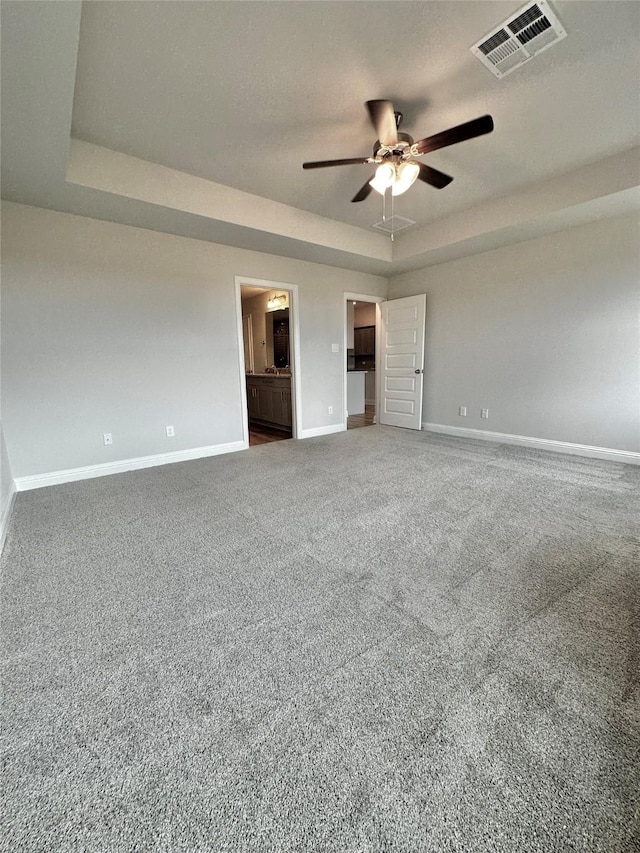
x=277, y=323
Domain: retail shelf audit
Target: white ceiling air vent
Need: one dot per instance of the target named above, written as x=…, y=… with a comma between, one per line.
x=530, y=31
x=393, y=224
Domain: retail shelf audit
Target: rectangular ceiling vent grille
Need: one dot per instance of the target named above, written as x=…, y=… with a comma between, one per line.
x=394, y=224
x=531, y=30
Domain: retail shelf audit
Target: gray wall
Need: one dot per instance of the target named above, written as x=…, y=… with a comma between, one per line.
x=109, y=328
x=545, y=334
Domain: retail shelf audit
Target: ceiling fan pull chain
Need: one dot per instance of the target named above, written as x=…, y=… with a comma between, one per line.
x=392, y=217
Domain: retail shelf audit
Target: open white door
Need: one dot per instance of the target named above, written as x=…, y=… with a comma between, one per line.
x=402, y=361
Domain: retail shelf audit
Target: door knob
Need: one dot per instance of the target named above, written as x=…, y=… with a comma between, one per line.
x=418, y=371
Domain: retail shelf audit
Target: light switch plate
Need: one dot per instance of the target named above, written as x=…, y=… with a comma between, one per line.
x=335, y=347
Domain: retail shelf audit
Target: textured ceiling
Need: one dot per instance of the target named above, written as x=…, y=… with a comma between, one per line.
x=242, y=93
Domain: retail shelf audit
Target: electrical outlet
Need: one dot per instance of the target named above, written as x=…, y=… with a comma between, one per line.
x=335, y=347
x=107, y=438
x=462, y=411
x=330, y=410
x=170, y=432
x=485, y=413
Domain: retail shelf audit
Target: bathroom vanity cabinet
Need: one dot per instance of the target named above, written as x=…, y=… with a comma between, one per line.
x=269, y=400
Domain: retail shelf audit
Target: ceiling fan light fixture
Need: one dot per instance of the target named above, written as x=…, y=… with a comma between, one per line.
x=384, y=178
x=406, y=174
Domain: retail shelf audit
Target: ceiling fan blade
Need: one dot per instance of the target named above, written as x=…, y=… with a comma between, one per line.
x=321, y=164
x=384, y=121
x=460, y=133
x=364, y=191
x=433, y=177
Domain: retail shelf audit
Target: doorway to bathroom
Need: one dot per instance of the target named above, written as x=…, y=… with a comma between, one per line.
x=269, y=347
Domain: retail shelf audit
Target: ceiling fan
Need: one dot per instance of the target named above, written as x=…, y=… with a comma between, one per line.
x=394, y=152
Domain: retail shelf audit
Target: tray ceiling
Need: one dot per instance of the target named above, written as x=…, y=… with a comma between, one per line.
x=239, y=94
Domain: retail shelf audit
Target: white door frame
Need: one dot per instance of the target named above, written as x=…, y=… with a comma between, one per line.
x=248, y=340
x=360, y=297
x=294, y=351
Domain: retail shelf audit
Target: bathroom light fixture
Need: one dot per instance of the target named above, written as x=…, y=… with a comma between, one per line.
x=276, y=302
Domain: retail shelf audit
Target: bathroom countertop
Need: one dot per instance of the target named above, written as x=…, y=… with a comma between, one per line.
x=270, y=375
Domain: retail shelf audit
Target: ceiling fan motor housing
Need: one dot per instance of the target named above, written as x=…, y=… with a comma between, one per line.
x=400, y=149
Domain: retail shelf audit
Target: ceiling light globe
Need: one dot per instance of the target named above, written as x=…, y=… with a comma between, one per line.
x=384, y=178
x=406, y=175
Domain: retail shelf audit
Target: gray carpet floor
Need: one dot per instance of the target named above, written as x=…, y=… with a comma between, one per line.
x=373, y=641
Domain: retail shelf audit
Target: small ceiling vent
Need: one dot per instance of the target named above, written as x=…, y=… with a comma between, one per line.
x=394, y=224
x=531, y=30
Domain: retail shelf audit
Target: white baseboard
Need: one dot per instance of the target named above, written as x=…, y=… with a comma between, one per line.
x=6, y=515
x=325, y=430
x=607, y=453
x=70, y=475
